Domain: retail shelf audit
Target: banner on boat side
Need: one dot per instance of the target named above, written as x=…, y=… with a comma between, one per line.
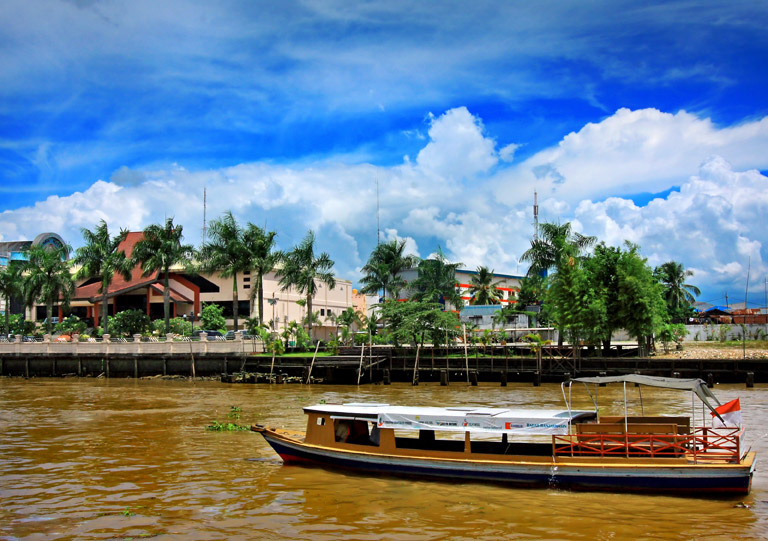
x=469, y=423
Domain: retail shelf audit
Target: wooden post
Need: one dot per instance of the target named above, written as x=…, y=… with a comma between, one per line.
x=165, y=366
x=385, y=377
x=192, y=355
x=272, y=365
x=473, y=378
x=710, y=381
x=309, y=375
x=537, y=378
x=360, y=368
x=504, y=379
x=26, y=367
x=443, y=377
x=750, y=380
x=466, y=358
x=415, y=380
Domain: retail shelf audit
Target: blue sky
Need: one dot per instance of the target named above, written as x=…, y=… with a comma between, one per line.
x=635, y=121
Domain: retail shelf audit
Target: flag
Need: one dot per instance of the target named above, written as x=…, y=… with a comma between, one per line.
x=730, y=412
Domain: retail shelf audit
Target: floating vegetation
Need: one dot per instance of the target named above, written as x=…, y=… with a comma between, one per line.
x=229, y=426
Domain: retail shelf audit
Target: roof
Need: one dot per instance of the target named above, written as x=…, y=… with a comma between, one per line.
x=457, y=419
x=119, y=285
x=694, y=385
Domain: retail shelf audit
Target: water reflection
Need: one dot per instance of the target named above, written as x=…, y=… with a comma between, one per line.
x=93, y=459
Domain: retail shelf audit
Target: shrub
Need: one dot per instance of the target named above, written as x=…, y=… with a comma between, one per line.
x=211, y=318
x=71, y=325
x=178, y=325
x=129, y=322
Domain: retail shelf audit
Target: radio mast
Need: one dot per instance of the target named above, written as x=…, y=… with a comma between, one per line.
x=205, y=204
x=535, y=215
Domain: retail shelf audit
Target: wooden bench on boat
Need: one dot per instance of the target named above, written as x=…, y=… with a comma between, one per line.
x=637, y=439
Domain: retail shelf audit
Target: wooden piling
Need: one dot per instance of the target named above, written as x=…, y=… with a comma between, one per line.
x=750, y=380
x=473, y=378
x=443, y=377
x=710, y=380
x=537, y=378
x=385, y=377
x=504, y=379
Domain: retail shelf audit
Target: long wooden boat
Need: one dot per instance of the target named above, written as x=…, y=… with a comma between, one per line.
x=581, y=452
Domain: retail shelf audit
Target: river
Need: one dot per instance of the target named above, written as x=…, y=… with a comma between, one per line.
x=120, y=459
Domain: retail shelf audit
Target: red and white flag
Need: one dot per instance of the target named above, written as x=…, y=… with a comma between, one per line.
x=730, y=412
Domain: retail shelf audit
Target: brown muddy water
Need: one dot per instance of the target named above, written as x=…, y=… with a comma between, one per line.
x=126, y=459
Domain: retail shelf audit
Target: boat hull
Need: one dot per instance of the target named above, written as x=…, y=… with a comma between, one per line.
x=702, y=479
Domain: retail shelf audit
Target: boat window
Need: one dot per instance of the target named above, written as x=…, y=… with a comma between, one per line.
x=357, y=432
x=320, y=421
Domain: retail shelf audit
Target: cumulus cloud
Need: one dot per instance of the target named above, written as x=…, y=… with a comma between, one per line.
x=458, y=149
x=638, y=151
x=711, y=225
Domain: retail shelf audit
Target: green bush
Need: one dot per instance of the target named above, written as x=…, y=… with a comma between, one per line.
x=211, y=318
x=178, y=325
x=71, y=325
x=129, y=322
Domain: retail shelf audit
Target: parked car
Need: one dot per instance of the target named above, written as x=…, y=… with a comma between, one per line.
x=196, y=333
x=231, y=335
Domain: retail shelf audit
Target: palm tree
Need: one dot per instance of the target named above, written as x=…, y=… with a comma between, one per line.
x=545, y=251
x=228, y=253
x=261, y=246
x=382, y=271
x=102, y=258
x=436, y=281
x=158, y=251
x=677, y=293
x=48, y=279
x=10, y=286
x=303, y=271
x=483, y=289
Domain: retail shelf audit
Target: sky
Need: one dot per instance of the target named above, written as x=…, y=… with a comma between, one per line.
x=433, y=122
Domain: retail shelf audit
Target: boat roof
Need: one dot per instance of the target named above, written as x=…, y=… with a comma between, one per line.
x=457, y=419
x=694, y=385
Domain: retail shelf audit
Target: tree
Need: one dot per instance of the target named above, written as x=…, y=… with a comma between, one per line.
x=416, y=321
x=10, y=286
x=302, y=270
x=228, y=253
x=678, y=295
x=483, y=289
x=642, y=308
x=382, y=271
x=260, y=244
x=436, y=281
x=158, y=251
x=48, y=279
x=545, y=252
x=102, y=258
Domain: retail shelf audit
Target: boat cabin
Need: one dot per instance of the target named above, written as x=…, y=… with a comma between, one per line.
x=392, y=429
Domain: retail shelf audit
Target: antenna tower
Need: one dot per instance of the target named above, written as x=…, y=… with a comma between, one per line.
x=378, y=217
x=205, y=205
x=535, y=215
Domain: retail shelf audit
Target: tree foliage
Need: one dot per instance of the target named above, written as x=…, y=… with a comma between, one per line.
x=227, y=252
x=101, y=257
x=483, y=289
x=303, y=271
x=159, y=250
x=381, y=274
x=48, y=279
x=11, y=283
x=417, y=322
x=436, y=281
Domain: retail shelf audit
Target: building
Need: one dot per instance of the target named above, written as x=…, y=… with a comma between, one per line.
x=16, y=251
x=189, y=292
x=509, y=286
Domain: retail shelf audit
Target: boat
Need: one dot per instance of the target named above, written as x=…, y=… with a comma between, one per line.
x=581, y=450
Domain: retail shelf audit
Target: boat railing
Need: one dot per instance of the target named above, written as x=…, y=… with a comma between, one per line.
x=704, y=444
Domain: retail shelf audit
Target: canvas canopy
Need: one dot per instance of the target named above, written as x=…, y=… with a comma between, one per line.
x=694, y=385
x=467, y=419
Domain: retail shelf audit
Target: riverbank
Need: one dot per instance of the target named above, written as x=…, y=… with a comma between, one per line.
x=717, y=350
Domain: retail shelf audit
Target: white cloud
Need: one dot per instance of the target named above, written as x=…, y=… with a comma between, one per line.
x=633, y=152
x=458, y=148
